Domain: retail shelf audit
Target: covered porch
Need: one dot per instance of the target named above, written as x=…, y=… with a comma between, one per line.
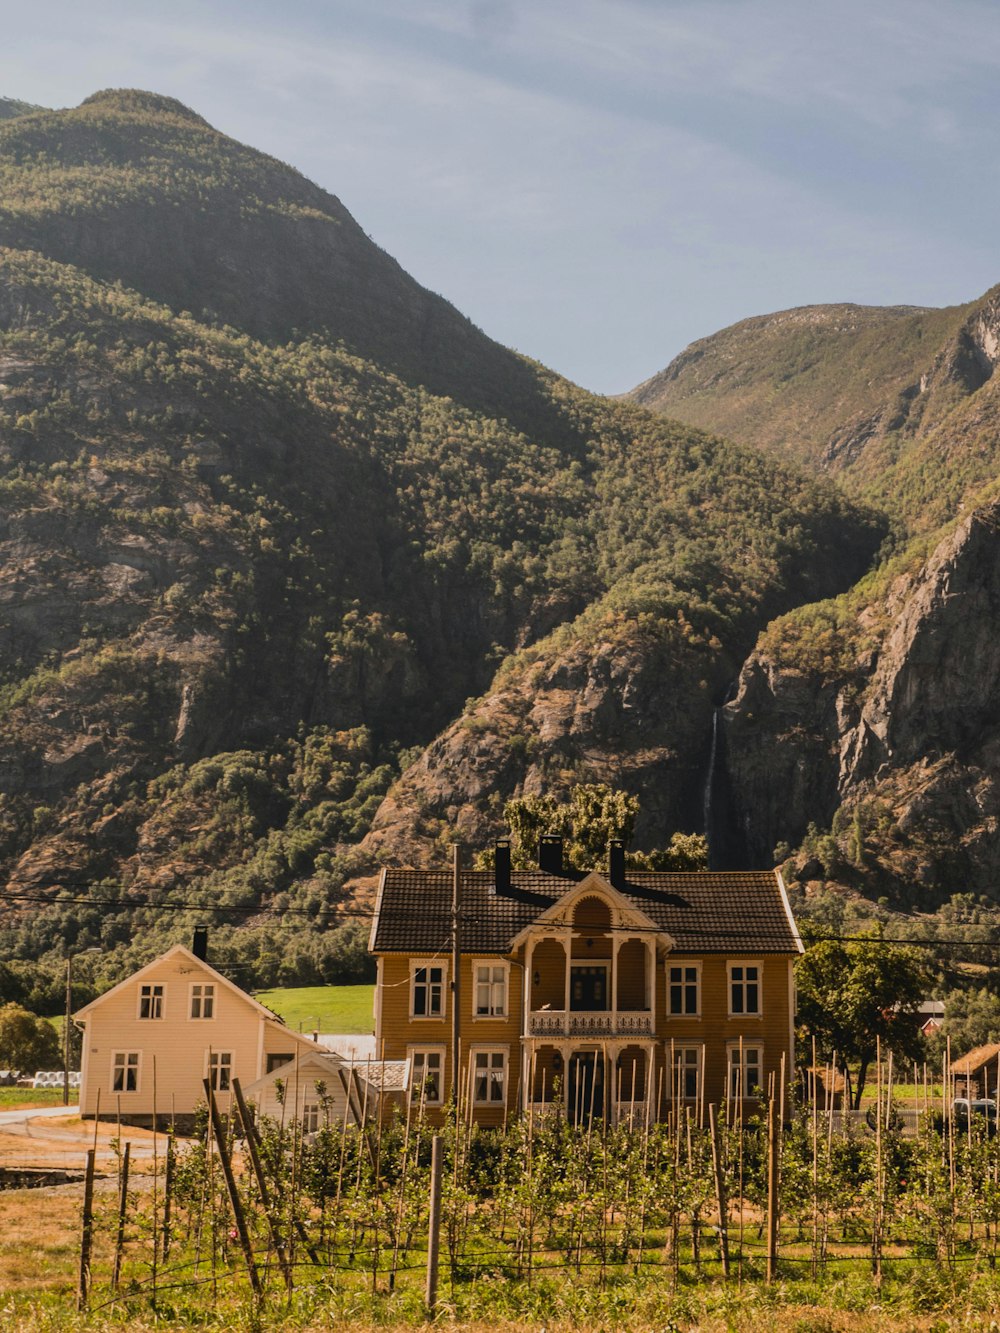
x=588, y=1082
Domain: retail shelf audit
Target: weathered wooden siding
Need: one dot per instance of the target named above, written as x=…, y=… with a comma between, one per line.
x=400, y=1032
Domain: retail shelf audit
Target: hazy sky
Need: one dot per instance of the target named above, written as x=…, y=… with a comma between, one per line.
x=594, y=182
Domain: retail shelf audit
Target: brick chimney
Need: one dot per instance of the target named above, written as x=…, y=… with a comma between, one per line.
x=550, y=853
x=616, y=863
x=502, y=866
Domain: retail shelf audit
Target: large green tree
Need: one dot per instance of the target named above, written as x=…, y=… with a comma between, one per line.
x=26, y=1041
x=593, y=815
x=855, y=994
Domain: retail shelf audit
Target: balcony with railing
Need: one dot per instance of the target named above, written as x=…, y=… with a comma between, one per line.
x=590, y=1023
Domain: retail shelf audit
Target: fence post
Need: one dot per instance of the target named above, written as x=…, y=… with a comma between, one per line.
x=434, y=1224
x=720, y=1189
x=86, y=1232
x=122, y=1209
x=234, y=1196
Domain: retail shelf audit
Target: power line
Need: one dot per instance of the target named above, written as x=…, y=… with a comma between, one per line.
x=424, y=918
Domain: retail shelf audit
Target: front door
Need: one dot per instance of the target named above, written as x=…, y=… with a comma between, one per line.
x=585, y=1091
x=588, y=988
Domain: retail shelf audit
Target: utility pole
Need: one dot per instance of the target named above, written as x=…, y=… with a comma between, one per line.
x=456, y=964
x=68, y=1020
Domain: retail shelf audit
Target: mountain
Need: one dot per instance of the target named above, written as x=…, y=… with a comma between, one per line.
x=897, y=403
x=11, y=107
x=863, y=738
x=300, y=570
x=865, y=732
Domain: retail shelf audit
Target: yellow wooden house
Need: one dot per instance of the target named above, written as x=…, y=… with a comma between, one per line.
x=603, y=994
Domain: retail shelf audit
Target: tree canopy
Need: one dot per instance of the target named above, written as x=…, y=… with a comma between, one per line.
x=26, y=1041
x=854, y=994
x=593, y=814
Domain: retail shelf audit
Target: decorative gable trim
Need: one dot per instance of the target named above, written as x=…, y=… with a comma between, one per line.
x=624, y=914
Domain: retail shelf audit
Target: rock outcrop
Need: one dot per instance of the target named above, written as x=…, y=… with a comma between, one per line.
x=892, y=740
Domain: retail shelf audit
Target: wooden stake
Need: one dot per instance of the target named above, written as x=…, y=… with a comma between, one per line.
x=234, y=1196
x=772, y=1190
x=122, y=1210
x=434, y=1226
x=253, y=1152
x=721, y=1201
x=86, y=1232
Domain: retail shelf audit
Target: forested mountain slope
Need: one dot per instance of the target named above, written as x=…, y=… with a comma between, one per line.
x=898, y=403
x=277, y=524
x=865, y=730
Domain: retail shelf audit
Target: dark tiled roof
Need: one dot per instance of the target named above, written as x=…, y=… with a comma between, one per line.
x=703, y=911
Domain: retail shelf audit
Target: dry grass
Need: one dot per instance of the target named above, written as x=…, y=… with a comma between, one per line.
x=61, y=1142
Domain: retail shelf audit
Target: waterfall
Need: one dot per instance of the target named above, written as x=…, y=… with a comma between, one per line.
x=706, y=798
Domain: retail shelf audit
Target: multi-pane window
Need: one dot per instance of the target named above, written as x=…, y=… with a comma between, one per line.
x=203, y=1000
x=151, y=1001
x=310, y=1118
x=426, y=1082
x=125, y=1071
x=220, y=1070
x=686, y=1084
x=745, y=1081
x=744, y=988
x=682, y=990
x=489, y=1073
x=491, y=990
x=428, y=990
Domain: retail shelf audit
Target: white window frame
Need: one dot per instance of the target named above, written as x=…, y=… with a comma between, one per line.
x=214, y=1067
x=126, y=1091
x=734, y=1070
x=489, y=1054
x=201, y=987
x=683, y=1012
x=743, y=983
x=494, y=964
x=674, y=1061
x=415, y=1054
x=312, y=1113
x=161, y=1007
x=424, y=964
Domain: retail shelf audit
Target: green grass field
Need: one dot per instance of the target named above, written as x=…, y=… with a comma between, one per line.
x=326, y=1008
x=11, y=1098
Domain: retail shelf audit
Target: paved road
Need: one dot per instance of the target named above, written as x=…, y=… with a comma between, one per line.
x=65, y=1141
x=23, y=1113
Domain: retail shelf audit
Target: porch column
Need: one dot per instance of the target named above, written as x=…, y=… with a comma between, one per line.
x=565, y=1052
x=651, y=982
x=567, y=940
x=616, y=944
x=650, y=1080
x=529, y=953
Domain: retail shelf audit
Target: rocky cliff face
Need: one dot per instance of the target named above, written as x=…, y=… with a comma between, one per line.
x=892, y=739
x=628, y=704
